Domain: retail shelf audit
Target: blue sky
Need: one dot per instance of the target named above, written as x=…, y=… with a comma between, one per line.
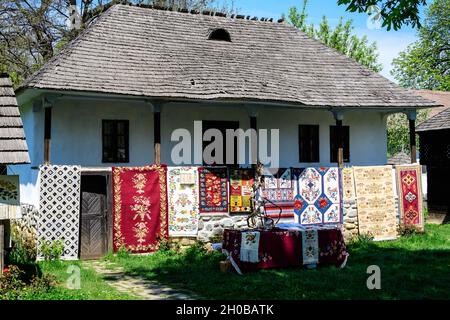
x=390, y=43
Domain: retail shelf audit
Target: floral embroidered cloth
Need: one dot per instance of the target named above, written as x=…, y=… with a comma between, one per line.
x=310, y=246
x=277, y=188
x=409, y=189
x=213, y=184
x=9, y=197
x=182, y=196
x=249, y=246
x=241, y=190
x=348, y=184
x=280, y=248
x=317, y=196
x=377, y=215
x=140, y=207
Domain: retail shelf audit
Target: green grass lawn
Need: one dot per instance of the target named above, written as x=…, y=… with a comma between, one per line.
x=92, y=286
x=414, y=267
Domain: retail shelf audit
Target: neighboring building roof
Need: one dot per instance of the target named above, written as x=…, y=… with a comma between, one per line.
x=439, y=118
x=146, y=52
x=13, y=146
x=399, y=158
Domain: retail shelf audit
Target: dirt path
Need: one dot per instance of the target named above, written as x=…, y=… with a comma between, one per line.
x=140, y=287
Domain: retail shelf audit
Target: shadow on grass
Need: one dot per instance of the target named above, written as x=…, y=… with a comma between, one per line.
x=405, y=274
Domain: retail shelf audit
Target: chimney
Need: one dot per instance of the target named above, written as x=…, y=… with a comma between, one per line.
x=74, y=16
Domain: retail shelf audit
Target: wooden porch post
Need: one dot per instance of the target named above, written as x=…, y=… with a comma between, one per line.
x=254, y=141
x=2, y=246
x=340, y=138
x=412, y=136
x=157, y=131
x=47, y=133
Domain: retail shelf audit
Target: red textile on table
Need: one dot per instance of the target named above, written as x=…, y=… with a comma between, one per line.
x=283, y=248
x=139, y=207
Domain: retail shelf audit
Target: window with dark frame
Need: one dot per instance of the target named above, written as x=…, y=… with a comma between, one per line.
x=334, y=144
x=115, y=136
x=308, y=143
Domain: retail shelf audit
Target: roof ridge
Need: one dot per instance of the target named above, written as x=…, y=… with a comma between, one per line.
x=206, y=12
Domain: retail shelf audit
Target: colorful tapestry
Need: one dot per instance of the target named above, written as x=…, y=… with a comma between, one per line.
x=182, y=197
x=250, y=246
x=310, y=246
x=376, y=202
x=348, y=185
x=213, y=190
x=277, y=188
x=140, y=207
x=59, y=208
x=9, y=197
x=241, y=190
x=409, y=189
x=317, y=196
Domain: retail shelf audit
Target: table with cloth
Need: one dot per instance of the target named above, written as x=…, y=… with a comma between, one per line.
x=283, y=248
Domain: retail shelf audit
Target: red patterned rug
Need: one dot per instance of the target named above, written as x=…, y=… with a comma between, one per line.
x=139, y=207
x=409, y=186
x=213, y=190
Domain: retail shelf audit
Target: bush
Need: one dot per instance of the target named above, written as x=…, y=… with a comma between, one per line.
x=409, y=230
x=13, y=284
x=52, y=250
x=24, y=245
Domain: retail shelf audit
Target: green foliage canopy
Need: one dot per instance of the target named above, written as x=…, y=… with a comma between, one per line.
x=425, y=64
x=339, y=38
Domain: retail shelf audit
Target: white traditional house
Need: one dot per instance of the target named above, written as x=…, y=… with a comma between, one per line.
x=114, y=95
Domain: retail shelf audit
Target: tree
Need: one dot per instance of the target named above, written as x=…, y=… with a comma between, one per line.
x=339, y=38
x=425, y=64
x=394, y=13
x=32, y=31
x=398, y=132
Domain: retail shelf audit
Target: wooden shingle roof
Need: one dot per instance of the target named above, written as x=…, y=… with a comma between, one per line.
x=13, y=146
x=439, y=117
x=146, y=52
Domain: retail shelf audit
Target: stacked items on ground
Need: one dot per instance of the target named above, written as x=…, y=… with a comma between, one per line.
x=154, y=202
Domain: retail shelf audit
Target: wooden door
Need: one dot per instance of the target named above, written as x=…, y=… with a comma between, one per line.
x=93, y=242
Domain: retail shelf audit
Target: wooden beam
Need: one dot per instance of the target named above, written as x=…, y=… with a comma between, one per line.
x=253, y=148
x=412, y=140
x=47, y=133
x=2, y=246
x=340, y=141
x=157, y=135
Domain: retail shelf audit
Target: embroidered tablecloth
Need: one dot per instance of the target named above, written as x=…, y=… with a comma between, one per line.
x=280, y=248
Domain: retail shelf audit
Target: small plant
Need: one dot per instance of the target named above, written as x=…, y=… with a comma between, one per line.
x=164, y=245
x=361, y=240
x=409, y=230
x=216, y=239
x=52, y=250
x=123, y=252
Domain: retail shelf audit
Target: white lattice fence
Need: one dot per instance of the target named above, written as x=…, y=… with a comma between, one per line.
x=59, y=208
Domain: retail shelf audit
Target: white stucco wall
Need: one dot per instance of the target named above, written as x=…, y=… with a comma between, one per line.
x=77, y=137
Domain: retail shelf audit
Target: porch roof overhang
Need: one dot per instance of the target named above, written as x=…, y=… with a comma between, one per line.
x=26, y=95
